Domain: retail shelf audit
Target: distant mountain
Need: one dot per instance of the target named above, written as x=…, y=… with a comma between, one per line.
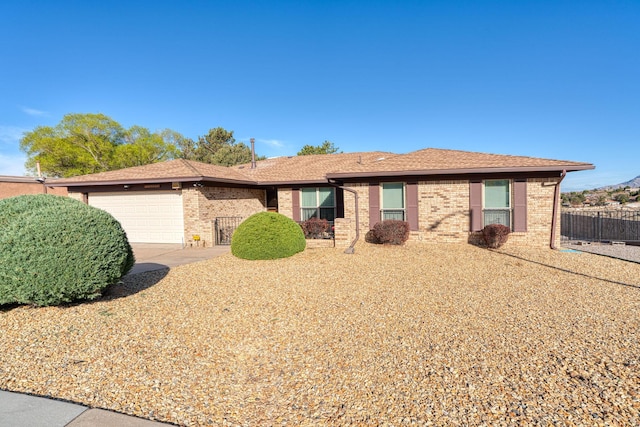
x=634, y=183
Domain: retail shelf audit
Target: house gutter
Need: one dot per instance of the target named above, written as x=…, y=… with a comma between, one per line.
x=554, y=219
x=197, y=178
x=351, y=249
x=458, y=171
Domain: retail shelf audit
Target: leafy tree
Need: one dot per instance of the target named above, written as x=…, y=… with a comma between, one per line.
x=217, y=147
x=212, y=142
x=577, y=199
x=327, y=147
x=230, y=155
x=90, y=143
x=622, y=198
x=142, y=148
x=602, y=200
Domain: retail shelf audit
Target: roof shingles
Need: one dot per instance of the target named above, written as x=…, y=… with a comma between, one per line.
x=317, y=168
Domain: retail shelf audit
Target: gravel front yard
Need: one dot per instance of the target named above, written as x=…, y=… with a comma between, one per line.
x=421, y=334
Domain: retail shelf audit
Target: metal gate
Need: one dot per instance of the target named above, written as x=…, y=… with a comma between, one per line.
x=225, y=226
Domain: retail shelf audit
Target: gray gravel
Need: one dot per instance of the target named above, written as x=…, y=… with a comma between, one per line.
x=625, y=252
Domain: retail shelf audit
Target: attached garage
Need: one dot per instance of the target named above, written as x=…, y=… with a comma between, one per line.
x=146, y=216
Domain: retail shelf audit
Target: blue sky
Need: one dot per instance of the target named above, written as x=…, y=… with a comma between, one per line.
x=554, y=79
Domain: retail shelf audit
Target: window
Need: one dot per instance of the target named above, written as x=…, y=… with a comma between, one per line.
x=393, y=206
x=497, y=202
x=318, y=202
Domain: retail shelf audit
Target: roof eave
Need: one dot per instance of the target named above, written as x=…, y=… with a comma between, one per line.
x=151, y=181
x=322, y=180
x=461, y=171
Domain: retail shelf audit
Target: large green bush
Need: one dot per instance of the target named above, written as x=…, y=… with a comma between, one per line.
x=55, y=250
x=267, y=235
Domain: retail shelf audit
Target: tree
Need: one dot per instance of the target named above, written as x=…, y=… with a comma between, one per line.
x=327, y=147
x=622, y=198
x=89, y=143
x=602, y=200
x=230, y=155
x=577, y=199
x=143, y=147
x=217, y=147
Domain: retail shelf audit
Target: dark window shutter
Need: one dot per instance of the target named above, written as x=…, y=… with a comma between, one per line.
x=295, y=199
x=520, y=205
x=412, y=205
x=374, y=204
x=339, y=203
x=475, y=205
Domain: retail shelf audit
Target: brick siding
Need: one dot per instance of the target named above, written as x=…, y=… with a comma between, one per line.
x=285, y=202
x=443, y=213
x=202, y=205
x=11, y=189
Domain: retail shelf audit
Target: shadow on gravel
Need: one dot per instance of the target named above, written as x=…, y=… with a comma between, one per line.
x=8, y=307
x=131, y=284
x=630, y=285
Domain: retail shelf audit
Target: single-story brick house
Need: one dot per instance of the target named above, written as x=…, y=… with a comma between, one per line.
x=11, y=186
x=445, y=195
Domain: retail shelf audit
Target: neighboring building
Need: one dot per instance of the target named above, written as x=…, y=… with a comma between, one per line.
x=18, y=185
x=445, y=195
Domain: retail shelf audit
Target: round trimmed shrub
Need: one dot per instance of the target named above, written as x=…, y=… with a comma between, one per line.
x=267, y=235
x=388, y=232
x=495, y=235
x=55, y=249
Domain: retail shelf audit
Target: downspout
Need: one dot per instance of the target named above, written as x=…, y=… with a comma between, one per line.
x=351, y=249
x=554, y=219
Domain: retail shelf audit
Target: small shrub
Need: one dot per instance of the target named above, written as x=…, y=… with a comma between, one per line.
x=315, y=228
x=267, y=235
x=495, y=235
x=389, y=231
x=55, y=250
x=371, y=237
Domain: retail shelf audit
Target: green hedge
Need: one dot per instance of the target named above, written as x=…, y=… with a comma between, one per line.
x=55, y=250
x=267, y=235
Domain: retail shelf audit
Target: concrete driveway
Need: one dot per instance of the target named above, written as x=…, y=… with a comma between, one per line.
x=156, y=256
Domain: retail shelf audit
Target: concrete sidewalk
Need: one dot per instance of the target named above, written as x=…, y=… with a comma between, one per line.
x=23, y=410
x=155, y=256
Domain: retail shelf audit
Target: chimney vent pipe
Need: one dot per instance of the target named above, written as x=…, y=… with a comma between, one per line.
x=253, y=153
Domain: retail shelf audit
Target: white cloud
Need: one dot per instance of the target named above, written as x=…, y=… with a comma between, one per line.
x=12, y=165
x=11, y=159
x=272, y=142
x=590, y=179
x=11, y=134
x=34, y=112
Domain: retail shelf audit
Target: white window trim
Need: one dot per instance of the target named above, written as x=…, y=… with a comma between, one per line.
x=317, y=207
x=510, y=207
x=404, y=200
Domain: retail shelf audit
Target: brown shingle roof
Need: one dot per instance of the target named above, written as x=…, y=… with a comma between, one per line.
x=431, y=161
x=172, y=170
x=312, y=168
x=317, y=168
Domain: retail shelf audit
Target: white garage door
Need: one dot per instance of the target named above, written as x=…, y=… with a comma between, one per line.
x=147, y=217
